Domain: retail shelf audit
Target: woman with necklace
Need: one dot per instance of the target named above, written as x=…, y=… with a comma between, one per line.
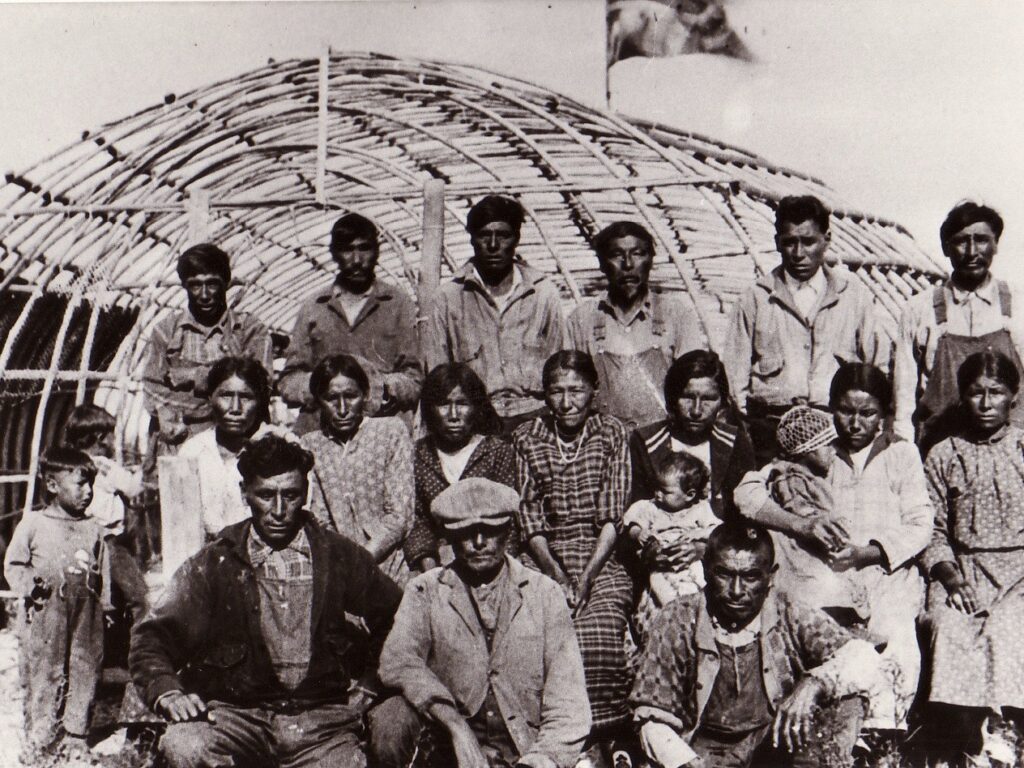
x=362, y=483
x=573, y=471
x=239, y=390
x=975, y=561
x=463, y=440
x=702, y=421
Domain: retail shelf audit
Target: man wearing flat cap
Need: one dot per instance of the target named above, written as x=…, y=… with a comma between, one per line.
x=498, y=315
x=483, y=652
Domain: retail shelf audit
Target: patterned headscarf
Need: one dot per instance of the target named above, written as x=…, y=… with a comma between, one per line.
x=803, y=429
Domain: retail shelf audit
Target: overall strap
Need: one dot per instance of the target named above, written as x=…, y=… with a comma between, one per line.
x=600, y=330
x=659, y=324
x=939, y=305
x=1005, y=299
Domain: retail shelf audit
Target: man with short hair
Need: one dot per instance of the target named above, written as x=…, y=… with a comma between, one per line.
x=740, y=670
x=791, y=330
x=632, y=333
x=359, y=315
x=940, y=328
x=484, y=650
x=498, y=315
x=185, y=343
x=250, y=654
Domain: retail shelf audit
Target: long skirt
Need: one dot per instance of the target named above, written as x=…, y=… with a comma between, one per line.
x=978, y=661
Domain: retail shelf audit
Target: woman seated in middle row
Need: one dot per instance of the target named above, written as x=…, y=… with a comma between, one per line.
x=880, y=521
x=463, y=440
x=362, y=482
x=240, y=391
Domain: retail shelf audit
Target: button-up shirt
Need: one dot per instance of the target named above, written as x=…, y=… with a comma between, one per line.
x=506, y=347
x=383, y=336
x=806, y=293
x=968, y=313
x=775, y=354
x=181, y=351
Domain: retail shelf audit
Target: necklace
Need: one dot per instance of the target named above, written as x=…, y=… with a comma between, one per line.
x=559, y=443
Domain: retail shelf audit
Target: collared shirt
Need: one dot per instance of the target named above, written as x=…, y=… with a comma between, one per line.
x=501, y=300
x=383, y=336
x=506, y=347
x=776, y=355
x=284, y=579
x=181, y=351
x=806, y=293
x=968, y=313
x=351, y=303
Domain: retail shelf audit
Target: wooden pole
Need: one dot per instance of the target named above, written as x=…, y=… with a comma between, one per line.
x=321, y=126
x=430, y=256
x=181, y=521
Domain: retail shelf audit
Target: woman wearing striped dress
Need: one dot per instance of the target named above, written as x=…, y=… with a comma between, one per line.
x=573, y=471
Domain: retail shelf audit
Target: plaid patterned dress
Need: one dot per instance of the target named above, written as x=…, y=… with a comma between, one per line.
x=569, y=499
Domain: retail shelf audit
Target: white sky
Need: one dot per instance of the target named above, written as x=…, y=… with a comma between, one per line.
x=903, y=106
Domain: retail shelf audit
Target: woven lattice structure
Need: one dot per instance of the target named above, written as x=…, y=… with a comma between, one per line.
x=262, y=164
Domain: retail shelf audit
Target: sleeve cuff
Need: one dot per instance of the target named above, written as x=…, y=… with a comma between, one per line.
x=160, y=687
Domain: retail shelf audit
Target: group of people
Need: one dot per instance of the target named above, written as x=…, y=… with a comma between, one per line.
x=606, y=534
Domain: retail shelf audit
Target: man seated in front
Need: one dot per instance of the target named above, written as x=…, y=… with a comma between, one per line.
x=738, y=670
x=484, y=650
x=249, y=654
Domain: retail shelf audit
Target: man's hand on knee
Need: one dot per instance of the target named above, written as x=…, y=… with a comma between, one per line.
x=795, y=716
x=179, y=707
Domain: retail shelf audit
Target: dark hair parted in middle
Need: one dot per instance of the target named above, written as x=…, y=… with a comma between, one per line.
x=337, y=365
x=611, y=233
x=204, y=259
x=796, y=209
x=352, y=227
x=248, y=370
x=440, y=382
x=861, y=377
x=273, y=455
x=86, y=426
x=966, y=213
x=695, y=364
x=570, y=360
x=495, y=208
x=741, y=536
x=994, y=365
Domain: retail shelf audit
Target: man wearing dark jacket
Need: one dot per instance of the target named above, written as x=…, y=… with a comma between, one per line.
x=252, y=654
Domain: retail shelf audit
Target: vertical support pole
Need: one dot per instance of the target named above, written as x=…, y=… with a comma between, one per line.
x=197, y=208
x=321, y=126
x=430, y=256
x=181, y=520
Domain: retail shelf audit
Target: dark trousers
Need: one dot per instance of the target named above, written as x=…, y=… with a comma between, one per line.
x=833, y=735
x=323, y=737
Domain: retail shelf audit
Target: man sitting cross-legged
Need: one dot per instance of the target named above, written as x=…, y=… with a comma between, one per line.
x=738, y=670
x=484, y=649
x=250, y=654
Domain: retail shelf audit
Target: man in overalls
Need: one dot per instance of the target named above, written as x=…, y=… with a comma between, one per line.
x=632, y=333
x=970, y=312
x=794, y=327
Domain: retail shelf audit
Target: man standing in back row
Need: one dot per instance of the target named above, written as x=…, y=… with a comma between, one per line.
x=940, y=328
x=792, y=329
x=632, y=333
x=362, y=316
x=498, y=315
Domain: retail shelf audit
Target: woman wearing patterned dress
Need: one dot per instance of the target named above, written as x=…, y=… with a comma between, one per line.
x=976, y=557
x=462, y=441
x=362, y=484
x=573, y=471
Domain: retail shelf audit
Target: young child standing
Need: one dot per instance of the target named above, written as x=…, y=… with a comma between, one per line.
x=678, y=517
x=90, y=429
x=57, y=561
